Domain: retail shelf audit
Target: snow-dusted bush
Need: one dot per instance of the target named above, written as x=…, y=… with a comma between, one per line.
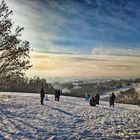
x=128, y=96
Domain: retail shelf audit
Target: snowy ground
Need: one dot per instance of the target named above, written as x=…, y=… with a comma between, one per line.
x=23, y=118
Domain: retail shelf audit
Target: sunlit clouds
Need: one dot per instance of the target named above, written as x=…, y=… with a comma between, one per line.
x=67, y=65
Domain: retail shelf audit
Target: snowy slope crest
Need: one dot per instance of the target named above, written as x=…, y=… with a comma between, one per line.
x=23, y=118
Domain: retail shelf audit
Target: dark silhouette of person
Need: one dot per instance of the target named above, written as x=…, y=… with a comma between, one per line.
x=56, y=95
x=92, y=101
x=42, y=95
x=59, y=93
x=112, y=99
x=97, y=98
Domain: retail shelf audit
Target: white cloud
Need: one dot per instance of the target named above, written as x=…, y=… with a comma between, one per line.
x=115, y=51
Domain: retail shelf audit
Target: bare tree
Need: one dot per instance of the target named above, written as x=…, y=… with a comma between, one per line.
x=14, y=53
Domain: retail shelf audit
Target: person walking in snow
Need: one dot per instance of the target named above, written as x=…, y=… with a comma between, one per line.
x=112, y=99
x=56, y=95
x=97, y=98
x=59, y=93
x=42, y=95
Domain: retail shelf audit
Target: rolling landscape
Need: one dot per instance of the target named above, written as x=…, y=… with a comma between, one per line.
x=69, y=70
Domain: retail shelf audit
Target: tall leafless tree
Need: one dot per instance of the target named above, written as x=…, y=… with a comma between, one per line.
x=14, y=53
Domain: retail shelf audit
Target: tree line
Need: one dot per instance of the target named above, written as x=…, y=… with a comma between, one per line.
x=29, y=85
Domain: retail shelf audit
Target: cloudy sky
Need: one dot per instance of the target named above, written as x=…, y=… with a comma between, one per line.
x=81, y=38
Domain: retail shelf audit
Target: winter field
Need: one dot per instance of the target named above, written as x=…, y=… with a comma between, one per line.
x=23, y=118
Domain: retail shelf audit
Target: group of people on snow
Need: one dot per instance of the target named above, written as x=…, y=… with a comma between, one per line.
x=58, y=92
x=93, y=100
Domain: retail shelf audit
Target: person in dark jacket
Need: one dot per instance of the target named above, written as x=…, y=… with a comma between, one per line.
x=92, y=101
x=97, y=98
x=59, y=93
x=56, y=95
x=112, y=99
x=42, y=95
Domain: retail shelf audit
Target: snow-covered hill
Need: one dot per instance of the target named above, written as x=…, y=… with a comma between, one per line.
x=23, y=118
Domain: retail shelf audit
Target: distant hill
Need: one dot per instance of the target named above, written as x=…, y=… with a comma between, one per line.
x=125, y=89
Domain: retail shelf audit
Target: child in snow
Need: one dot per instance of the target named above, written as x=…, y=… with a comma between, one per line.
x=87, y=97
x=92, y=101
x=46, y=98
